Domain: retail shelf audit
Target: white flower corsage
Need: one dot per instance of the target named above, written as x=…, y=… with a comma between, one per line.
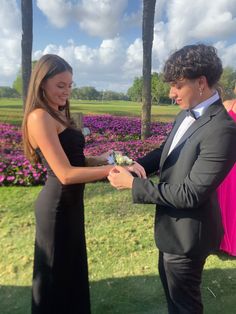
x=119, y=160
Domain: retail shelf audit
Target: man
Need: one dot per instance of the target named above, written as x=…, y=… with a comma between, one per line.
x=192, y=162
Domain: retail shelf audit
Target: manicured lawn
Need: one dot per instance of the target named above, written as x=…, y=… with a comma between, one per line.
x=11, y=109
x=121, y=251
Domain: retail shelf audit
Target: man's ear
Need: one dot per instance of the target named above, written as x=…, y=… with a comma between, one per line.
x=202, y=82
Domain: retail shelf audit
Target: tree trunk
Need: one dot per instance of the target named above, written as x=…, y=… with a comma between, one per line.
x=26, y=44
x=147, y=34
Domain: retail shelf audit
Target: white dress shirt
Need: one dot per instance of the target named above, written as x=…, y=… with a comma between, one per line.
x=189, y=120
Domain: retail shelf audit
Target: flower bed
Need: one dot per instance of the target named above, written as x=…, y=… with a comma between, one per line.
x=107, y=132
x=14, y=168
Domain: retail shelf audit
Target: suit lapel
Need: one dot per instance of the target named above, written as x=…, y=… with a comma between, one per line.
x=204, y=119
x=193, y=128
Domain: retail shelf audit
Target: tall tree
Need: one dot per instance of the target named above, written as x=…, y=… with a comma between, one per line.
x=17, y=83
x=135, y=91
x=147, y=35
x=227, y=82
x=26, y=43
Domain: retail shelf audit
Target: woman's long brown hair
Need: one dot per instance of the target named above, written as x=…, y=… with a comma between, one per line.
x=46, y=67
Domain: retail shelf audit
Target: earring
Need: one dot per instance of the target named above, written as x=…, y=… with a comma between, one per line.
x=200, y=92
x=43, y=94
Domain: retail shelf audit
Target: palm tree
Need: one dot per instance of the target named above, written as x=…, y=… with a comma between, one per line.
x=26, y=44
x=147, y=34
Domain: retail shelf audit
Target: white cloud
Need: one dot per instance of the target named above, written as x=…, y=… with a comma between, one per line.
x=200, y=20
x=161, y=47
x=110, y=51
x=227, y=53
x=10, y=37
x=134, y=59
x=97, y=18
x=100, y=67
x=58, y=12
x=186, y=22
x=101, y=18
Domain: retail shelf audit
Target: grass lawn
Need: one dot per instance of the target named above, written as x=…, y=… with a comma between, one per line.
x=11, y=109
x=121, y=251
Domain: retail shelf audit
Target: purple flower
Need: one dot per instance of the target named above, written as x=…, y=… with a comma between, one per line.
x=107, y=132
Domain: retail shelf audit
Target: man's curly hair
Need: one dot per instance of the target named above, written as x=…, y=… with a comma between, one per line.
x=193, y=61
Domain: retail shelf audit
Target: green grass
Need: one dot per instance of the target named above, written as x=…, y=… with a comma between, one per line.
x=11, y=109
x=121, y=252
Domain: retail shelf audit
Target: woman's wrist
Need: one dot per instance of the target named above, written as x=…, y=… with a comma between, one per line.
x=93, y=161
x=102, y=161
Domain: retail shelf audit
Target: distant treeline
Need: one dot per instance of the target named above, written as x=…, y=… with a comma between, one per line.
x=90, y=93
x=9, y=92
x=160, y=89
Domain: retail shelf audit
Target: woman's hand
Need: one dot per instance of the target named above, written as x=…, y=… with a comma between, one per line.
x=120, y=178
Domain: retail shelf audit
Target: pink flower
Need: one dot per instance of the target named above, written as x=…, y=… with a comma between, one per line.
x=10, y=178
x=2, y=177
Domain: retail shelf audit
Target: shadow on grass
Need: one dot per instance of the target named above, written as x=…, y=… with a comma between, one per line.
x=135, y=295
x=225, y=257
x=129, y=295
x=11, y=106
x=15, y=299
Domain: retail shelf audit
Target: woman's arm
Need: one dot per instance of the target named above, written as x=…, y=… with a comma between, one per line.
x=100, y=160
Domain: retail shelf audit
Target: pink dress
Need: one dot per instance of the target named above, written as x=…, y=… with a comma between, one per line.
x=227, y=200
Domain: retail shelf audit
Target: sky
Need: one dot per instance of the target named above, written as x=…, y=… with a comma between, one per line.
x=102, y=39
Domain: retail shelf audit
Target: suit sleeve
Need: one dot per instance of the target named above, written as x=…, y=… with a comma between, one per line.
x=151, y=161
x=215, y=159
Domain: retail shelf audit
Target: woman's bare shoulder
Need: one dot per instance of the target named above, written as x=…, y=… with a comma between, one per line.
x=41, y=119
x=38, y=114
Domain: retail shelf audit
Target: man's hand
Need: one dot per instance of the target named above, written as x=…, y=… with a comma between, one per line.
x=138, y=169
x=120, y=178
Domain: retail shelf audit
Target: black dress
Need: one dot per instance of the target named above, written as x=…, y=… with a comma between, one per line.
x=60, y=275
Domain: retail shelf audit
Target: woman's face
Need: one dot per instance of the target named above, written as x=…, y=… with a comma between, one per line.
x=57, y=89
x=186, y=93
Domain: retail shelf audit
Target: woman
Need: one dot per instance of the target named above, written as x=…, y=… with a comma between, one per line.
x=60, y=275
x=227, y=197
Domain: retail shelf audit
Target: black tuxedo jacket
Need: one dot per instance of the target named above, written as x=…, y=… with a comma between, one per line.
x=188, y=219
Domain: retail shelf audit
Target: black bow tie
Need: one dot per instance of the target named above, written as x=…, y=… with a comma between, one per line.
x=190, y=113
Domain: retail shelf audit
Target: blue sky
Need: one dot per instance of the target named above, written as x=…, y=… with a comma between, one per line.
x=101, y=39
x=57, y=36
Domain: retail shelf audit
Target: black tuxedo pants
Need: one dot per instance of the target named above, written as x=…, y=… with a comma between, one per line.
x=181, y=279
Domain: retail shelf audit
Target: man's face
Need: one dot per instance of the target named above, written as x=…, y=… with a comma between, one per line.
x=186, y=93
